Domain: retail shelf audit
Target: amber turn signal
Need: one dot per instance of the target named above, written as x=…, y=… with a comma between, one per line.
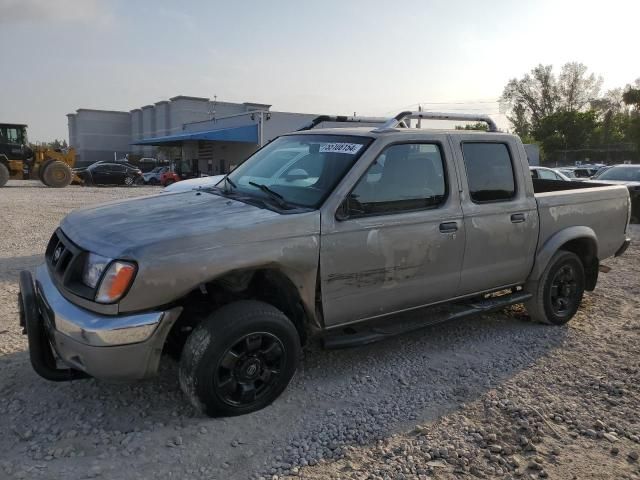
x=116, y=282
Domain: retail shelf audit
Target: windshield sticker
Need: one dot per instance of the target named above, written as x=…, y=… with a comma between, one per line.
x=348, y=148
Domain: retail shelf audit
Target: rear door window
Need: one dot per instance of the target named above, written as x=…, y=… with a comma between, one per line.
x=489, y=171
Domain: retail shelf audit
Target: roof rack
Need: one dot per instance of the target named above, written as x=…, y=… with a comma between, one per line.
x=399, y=120
x=341, y=118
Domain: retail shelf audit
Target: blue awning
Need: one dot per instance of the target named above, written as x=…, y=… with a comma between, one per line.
x=244, y=134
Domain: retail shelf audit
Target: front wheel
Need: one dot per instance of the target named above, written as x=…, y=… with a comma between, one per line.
x=558, y=293
x=57, y=174
x=240, y=359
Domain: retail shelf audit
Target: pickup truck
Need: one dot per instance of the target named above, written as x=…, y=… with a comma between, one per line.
x=322, y=233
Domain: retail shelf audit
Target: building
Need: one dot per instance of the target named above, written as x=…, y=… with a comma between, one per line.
x=99, y=134
x=207, y=136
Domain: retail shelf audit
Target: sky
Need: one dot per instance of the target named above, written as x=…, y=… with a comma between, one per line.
x=330, y=57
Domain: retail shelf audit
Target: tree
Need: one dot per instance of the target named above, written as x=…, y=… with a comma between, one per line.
x=631, y=97
x=613, y=119
x=474, y=126
x=576, y=88
x=566, y=130
x=531, y=98
x=56, y=144
x=540, y=94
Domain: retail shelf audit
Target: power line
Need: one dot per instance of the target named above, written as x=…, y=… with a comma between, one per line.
x=473, y=102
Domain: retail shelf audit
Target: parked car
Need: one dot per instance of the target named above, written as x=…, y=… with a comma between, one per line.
x=247, y=272
x=569, y=173
x=583, y=172
x=545, y=173
x=107, y=173
x=628, y=175
x=168, y=177
x=193, y=183
x=153, y=177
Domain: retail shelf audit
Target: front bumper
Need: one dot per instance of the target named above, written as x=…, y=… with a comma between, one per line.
x=121, y=347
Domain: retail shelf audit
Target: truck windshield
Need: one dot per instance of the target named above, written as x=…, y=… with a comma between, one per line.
x=300, y=170
x=628, y=174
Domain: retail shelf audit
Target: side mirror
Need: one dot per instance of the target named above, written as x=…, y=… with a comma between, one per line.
x=342, y=213
x=349, y=208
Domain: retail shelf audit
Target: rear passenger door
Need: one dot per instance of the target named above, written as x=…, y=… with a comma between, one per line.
x=500, y=213
x=397, y=240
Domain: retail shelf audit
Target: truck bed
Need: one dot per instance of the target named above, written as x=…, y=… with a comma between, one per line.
x=602, y=208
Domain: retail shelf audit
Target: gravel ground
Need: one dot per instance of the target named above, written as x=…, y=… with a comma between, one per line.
x=491, y=396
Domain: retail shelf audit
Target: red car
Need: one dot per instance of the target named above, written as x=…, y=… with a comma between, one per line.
x=169, y=177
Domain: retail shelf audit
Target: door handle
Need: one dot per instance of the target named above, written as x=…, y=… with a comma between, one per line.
x=448, y=227
x=518, y=218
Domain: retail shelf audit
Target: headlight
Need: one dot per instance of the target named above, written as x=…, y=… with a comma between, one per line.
x=93, y=269
x=116, y=281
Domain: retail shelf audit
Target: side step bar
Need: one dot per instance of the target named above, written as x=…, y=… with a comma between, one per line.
x=351, y=336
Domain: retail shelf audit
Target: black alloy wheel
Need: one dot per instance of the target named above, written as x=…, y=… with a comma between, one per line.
x=239, y=359
x=564, y=290
x=248, y=371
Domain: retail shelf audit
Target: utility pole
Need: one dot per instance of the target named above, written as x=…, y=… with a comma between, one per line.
x=419, y=125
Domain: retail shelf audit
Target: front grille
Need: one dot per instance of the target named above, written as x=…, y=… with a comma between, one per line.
x=65, y=262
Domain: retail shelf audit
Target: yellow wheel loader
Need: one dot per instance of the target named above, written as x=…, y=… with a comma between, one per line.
x=18, y=161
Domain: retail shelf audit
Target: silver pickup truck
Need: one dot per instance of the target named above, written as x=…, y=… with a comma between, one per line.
x=323, y=233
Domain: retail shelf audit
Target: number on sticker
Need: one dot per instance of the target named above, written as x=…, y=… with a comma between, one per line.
x=348, y=148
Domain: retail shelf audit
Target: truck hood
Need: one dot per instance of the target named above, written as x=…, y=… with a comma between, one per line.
x=163, y=225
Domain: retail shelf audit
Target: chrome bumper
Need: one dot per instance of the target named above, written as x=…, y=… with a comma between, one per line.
x=121, y=347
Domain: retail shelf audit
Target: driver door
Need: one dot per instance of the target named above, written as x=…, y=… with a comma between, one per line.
x=100, y=174
x=399, y=243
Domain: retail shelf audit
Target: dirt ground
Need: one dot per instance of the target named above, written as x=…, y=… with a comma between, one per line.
x=495, y=396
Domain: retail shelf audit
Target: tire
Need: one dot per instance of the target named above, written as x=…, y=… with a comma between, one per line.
x=153, y=181
x=558, y=293
x=168, y=182
x=4, y=174
x=43, y=166
x=129, y=181
x=57, y=174
x=240, y=359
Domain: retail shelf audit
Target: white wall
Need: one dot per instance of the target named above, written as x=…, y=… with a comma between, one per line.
x=100, y=133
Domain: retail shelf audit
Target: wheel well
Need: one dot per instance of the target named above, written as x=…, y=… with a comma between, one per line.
x=587, y=250
x=268, y=285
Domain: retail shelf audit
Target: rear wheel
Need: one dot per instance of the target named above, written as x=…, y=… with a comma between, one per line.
x=558, y=293
x=57, y=174
x=129, y=181
x=4, y=174
x=240, y=359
